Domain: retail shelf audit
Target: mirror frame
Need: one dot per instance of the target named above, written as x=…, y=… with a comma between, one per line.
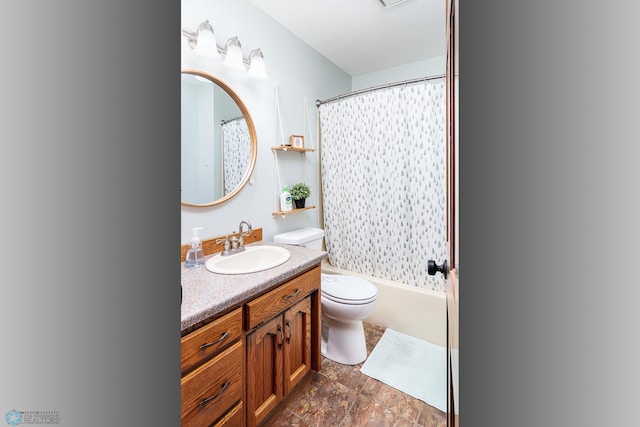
x=252, y=137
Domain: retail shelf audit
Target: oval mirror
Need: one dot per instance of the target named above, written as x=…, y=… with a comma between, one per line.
x=218, y=141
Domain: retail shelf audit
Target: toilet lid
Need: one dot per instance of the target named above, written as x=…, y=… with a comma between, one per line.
x=348, y=289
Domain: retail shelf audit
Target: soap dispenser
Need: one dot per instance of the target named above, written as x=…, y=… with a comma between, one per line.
x=195, y=254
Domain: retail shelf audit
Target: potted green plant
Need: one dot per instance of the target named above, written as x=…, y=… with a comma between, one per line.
x=299, y=193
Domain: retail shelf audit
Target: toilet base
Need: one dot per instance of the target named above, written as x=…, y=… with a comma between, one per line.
x=343, y=341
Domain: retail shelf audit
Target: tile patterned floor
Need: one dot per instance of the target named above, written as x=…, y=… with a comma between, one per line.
x=341, y=396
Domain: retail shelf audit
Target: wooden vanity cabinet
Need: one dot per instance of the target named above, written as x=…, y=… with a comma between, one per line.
x=280, y=344
x=238, y=368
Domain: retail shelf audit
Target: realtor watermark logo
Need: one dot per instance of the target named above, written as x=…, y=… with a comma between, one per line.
x=14, y=418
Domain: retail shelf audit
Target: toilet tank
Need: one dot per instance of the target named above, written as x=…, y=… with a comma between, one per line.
x=308, y=237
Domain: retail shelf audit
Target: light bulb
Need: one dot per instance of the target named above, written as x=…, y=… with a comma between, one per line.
x=257, y=69
x=233, y=57
x=206, y=41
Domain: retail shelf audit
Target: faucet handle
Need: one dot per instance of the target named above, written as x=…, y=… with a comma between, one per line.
x=225, y=241
x=235, y=241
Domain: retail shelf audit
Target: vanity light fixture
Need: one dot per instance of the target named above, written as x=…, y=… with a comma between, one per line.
x=203, y=43
x=257, y=69
x=233, y=58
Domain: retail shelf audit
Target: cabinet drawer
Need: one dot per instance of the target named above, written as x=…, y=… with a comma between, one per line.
x=234, y=418
x=211, y=389
x=276, y=301
x=208, y=340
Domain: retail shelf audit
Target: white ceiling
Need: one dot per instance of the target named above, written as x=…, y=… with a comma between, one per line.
x=362, y=36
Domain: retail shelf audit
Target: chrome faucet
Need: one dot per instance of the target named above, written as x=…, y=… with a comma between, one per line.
x=235, y=244
x=241, y=234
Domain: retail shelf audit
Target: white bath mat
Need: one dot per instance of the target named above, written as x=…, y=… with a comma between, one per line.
x=411, y=365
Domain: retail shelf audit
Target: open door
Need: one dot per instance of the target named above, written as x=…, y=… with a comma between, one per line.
x=453, y=234
x=450, y=267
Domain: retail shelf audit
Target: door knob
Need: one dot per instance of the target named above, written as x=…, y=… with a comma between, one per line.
x=432, y=268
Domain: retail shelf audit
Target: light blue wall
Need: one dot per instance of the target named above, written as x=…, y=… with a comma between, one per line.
x=430, y=67
x=299, y=72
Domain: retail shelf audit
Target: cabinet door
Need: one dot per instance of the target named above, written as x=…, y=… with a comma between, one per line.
x=297, y=347
x=264, y=370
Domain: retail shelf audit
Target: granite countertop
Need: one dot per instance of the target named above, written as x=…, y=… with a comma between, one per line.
x=205, y=294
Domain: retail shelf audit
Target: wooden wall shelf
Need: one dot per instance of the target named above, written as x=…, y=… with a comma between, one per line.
x=289, y=148
x=292, y=211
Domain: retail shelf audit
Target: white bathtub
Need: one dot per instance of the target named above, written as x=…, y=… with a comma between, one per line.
x=407, y=309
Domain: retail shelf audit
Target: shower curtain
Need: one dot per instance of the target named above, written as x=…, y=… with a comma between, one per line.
x=383, y=171
x=236, y=147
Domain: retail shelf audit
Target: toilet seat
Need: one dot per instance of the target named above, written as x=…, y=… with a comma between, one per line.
x=348, y=289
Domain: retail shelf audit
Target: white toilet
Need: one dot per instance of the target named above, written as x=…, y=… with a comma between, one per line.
x=346, y=301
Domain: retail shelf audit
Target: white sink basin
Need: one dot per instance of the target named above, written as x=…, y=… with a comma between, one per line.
x=251, y=260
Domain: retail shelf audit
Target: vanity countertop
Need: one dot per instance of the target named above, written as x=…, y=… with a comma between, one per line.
x=205, y=294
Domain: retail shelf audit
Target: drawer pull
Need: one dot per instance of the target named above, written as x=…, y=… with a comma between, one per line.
x=209, y=399
x=290, y=333
x=295, y=294
x=222, y=338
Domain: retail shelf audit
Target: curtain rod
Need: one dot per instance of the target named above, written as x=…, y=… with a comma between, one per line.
x=388, y=85
x=224, y=122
